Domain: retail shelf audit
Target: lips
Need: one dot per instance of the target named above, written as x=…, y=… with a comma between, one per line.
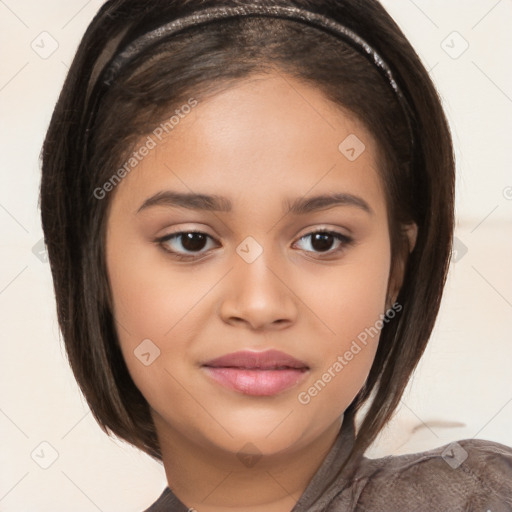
x=257, y=373
x=268, y=360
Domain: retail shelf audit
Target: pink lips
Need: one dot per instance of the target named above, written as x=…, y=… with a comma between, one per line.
x=257, y=373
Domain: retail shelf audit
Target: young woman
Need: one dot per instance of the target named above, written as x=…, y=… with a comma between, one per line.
x=248, y=211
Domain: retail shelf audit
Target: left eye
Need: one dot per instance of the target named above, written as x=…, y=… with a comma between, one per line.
x=322, y=241
x=193, y=242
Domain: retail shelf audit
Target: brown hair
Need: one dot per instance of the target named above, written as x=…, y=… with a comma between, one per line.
x=419, y=184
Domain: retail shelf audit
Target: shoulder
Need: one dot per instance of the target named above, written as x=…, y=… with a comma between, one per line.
x=467, y=473
x=168, y=502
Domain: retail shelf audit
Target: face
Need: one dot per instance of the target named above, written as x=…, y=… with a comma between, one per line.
x=260, y=266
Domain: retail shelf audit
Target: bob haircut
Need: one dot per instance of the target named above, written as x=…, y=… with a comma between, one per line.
x=81, y=152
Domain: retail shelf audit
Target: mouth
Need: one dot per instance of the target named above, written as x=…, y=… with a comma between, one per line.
x=257, y=373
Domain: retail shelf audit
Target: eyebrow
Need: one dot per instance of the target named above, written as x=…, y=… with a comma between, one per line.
x=215, y=203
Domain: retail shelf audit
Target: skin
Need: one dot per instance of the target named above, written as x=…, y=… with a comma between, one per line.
x=267, y=138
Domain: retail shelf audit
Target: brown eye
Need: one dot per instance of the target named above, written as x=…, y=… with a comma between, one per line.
x=193, y=241
x=185, y=243
x=323, y=241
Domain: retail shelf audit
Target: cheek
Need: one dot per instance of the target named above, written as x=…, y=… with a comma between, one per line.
x=352, y=297
x=149, y=306
x=152, y=297
x=160, y=311
x=152, y=304
x=350, y=304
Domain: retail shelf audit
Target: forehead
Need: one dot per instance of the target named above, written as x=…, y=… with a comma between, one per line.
x=264, y=138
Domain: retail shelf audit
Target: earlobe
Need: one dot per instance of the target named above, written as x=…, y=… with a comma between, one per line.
x=410, y=231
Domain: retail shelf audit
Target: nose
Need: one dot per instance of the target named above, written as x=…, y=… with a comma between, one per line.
x=259, y=294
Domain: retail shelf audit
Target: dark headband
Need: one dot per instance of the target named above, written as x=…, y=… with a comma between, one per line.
x=209, y=15
x=127, y=54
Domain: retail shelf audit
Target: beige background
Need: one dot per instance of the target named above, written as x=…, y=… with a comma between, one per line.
x=463, y=387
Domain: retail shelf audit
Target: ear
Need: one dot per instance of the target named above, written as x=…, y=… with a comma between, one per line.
x=409, y=235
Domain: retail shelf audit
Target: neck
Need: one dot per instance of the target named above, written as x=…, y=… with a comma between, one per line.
x=208, y=480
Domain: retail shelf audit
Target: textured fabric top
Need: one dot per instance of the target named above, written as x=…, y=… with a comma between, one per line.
x=468, y=475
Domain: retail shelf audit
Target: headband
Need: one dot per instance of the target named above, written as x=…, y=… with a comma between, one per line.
x=205, y=16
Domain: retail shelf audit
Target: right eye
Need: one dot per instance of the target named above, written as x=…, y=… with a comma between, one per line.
x=191, y=242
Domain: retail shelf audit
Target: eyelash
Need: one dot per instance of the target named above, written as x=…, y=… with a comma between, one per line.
x=344, y=239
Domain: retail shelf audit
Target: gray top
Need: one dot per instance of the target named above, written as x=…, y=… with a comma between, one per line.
x=468, y=475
